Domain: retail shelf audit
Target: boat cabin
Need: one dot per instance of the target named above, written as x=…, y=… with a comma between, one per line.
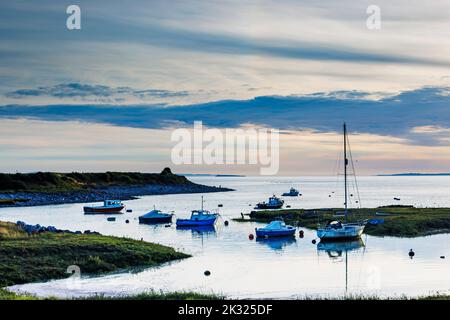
x=108, y=203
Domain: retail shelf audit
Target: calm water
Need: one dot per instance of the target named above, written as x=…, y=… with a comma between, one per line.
x=264, y=269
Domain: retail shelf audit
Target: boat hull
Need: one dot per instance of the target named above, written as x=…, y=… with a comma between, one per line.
x=266, y=206
x=154, y=220
x=274, y=233
x=346, y=233
x=196, y=223
x=103, y=210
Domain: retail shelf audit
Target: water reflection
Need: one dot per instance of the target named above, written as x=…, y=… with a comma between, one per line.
x=336, y=249
x=277, y=243
x=200, y=231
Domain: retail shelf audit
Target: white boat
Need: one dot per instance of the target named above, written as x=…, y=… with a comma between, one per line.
x=337, y=230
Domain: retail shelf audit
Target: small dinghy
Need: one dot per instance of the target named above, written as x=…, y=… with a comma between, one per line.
x=275, y=229
x=109, y=206
x=156, y=216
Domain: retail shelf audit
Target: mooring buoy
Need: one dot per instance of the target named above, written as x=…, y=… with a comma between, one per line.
x=314, y=241
x=226, y=222
x=411, y=253
x=207, y=273
x=127, y=221
x=251, y=236
x=301, y=233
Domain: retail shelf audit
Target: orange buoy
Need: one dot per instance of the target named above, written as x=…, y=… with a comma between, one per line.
x=251, y=236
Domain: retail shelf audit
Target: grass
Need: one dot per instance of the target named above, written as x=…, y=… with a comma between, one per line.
x=374, y=297
x=403, y=221
x=8, y=295
x=153, y=295
x=149, y=295
x=46, y=256
x=76, y=181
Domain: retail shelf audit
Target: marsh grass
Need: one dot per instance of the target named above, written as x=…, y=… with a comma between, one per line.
x=402, y=221
x=46, y=256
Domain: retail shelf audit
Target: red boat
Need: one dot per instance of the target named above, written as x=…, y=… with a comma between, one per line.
x=109, y=206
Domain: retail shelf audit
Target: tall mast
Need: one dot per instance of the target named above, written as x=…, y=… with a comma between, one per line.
x=202, y=203
x=345, y=170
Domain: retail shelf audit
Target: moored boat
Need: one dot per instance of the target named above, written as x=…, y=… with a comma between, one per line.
x=273, y=203
x=199, y=218
x=109, y=206
x=337, y=230
x=156, y=216
x=275, y=229
x=292, y=193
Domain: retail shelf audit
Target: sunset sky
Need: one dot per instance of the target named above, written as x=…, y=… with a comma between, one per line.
x=108, y=96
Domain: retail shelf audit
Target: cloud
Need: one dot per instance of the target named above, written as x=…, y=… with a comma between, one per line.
x=394, y=115
x=79, y=90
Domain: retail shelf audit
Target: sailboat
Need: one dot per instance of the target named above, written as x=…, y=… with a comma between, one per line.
x=338, y=230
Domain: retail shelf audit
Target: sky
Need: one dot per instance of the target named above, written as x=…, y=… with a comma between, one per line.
x=109, y=96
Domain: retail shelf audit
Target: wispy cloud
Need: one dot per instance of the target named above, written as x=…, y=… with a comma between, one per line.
x=93, y=92
x=280, y=47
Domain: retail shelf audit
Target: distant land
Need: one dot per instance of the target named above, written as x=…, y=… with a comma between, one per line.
x=210, y=175
x=408, y=174
x=43, y=188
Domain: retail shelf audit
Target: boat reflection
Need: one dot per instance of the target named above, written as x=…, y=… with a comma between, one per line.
x=336, y=249
x=277, y=243
x=203, y=230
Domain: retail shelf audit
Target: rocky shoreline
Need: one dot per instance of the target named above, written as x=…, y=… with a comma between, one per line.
x=24, y=199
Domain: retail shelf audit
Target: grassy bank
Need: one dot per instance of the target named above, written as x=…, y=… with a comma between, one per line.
x=150, y=295
x=77, y=181
x=7, y=295
x=46, y=256
x=400, y=221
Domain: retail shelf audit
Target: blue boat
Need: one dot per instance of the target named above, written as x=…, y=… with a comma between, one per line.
x=274, y=203
x=275, y=229
x=199, y=218
x=155, y=216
